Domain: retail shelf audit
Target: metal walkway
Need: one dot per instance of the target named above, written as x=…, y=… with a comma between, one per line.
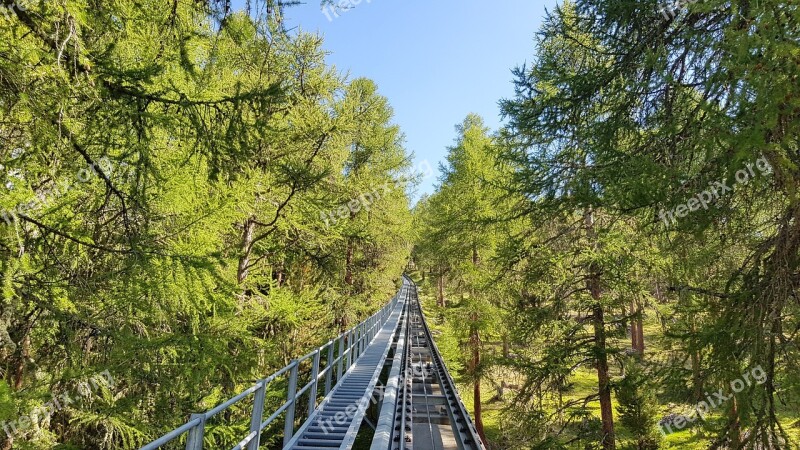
x=336, y=422
x=419, y=407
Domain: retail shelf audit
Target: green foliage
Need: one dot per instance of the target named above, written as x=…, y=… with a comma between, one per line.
x=173, y=160
x=638, y=406
x=191, y=197
x=624, y=121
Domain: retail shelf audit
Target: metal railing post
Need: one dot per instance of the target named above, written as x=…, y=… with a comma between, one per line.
x=350, y=348
x=258, y=414
x=329, y=367
x=340, y=363
x=356, y=341
x=194, y=440
x=288, y=425
x=312, y=391
x=361, y=339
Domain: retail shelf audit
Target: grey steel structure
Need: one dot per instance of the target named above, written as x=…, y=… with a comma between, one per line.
x=342, y=379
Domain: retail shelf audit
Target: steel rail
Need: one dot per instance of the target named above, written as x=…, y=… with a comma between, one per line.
x=465, y=432
x=387, y=428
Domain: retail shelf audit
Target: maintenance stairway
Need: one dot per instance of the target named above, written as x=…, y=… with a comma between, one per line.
x=383, y=380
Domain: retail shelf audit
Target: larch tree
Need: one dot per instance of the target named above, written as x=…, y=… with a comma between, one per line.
x=163, y=166
x=460, y=240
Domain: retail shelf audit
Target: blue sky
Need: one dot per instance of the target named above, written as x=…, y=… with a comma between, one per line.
x=435, y=61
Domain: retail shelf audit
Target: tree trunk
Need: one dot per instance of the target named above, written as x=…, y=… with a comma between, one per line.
x=598, y=321
x=247, y=247
x=637, y=329
x=697, y=376
x=506, y=352
x=24, y=356
x=640, y=331
x=603, y=379
x=478, y=411
x=735, y=429
x=634, y=332
x=475, y=342
x=440, y=298
x=348, y=274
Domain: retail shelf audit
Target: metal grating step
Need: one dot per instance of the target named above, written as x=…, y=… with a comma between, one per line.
x=336, y=421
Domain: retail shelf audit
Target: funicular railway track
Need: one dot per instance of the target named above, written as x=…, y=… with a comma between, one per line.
x=439, y=419
x=420, y=406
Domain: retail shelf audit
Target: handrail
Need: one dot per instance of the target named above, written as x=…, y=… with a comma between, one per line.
x=356, y=338
x=383, y=430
